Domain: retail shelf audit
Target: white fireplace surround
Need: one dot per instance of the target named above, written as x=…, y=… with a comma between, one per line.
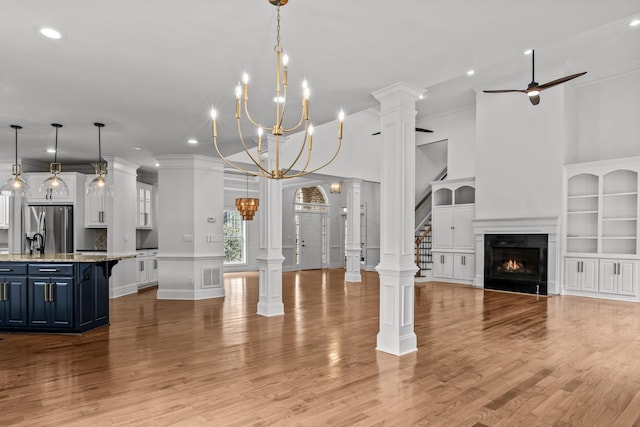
x=538, y=225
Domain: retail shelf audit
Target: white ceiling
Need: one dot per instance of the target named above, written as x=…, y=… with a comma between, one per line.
x=151, y=70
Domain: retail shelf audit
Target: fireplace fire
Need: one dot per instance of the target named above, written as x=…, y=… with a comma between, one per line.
x=512, y=265
x=516, y=262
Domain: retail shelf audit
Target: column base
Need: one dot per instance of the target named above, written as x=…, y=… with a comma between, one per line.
x=270, y=309
x=353, y=277
x=398, y=346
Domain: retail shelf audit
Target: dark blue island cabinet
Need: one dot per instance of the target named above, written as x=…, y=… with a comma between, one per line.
x=54, y=297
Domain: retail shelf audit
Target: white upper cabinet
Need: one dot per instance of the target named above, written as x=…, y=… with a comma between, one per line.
x=95, y=209
x=35, y=180
x=144, y=204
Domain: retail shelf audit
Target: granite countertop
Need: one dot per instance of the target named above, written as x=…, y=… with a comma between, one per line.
x=62, y=257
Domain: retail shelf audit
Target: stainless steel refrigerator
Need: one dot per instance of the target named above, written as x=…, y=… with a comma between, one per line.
x=49, y=229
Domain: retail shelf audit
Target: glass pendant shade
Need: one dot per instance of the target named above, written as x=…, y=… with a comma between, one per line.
x=100, y=187
x=16, y=186
x=54, y=187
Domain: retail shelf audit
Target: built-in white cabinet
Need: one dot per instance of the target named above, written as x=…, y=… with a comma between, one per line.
x=443, y=265
x=581, y=274
x=453, y=240
x=95, y=209
x=35, y=180
x=618, y=277
x=601, y=227
x=4, y=212
x=144, y=204
x=463, y=266
x=147, y=267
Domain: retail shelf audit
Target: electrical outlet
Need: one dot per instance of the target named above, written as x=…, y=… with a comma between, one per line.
x=187, y=238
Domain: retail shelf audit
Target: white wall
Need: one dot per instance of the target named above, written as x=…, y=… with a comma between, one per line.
x=519, y=155
x=431, y=159
x=609, y=122
x=459, y=129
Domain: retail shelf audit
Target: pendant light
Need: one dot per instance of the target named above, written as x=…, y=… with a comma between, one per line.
x=54, y=187
x=247, y=206
x=99, y=186
x=16, y=186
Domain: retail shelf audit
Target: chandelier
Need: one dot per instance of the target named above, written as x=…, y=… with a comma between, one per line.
x=247, y=206
x=261, y=169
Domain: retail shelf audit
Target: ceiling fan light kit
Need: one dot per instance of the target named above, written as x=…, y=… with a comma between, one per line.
x=534, y=88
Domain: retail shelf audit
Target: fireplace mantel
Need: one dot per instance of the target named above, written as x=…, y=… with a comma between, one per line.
x=525, y=225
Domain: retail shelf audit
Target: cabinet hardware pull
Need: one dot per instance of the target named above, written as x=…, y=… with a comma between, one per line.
x=6, y=270
x=48, y=270
x=50, y=292
x=4, y=289
x=46, y=292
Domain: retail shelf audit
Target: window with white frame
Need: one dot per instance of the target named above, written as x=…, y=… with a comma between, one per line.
x=234, y=238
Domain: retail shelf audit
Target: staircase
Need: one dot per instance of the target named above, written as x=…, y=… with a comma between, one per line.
x=423, y=250
x=424, y=233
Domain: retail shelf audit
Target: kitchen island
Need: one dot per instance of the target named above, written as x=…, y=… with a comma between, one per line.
x=54, y=293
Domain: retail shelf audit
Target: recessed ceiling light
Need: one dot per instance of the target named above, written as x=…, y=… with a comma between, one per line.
x=51, y=33
x=51, y=150
x=192, y=141
x=634, y=23
x=471, y=72
x=421, y=96
x=157, y=164
x=528, y=52
x=136, y=148
x=278, y=99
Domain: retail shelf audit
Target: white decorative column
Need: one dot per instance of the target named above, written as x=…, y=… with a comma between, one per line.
x=121, y=235
x=190, y=232
x=353, y=248
x=270, y=256
x=397, y=197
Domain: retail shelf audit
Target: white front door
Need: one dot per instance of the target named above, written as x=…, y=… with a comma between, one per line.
x=310, y=241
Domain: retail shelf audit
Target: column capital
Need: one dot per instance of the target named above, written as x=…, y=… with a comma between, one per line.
x=405, y=90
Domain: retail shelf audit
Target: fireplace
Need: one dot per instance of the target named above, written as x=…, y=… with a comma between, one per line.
x=516, y=262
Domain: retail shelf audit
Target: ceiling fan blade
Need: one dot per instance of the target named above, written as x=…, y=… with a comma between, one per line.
x=504, y=91
x=417, y=130
x=560, y=80
x=535, y=100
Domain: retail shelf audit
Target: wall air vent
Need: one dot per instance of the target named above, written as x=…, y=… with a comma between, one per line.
x=211, y=277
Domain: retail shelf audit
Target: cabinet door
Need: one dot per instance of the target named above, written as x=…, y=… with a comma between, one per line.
x=38, y=301
x=443, y=265
x=13, y=301
x=463, y=266
x=61, y=302
x=608, y=278
x=626, y=278
x=95, y=213
x=462, y=228
x=442, y=228
x=572, y=274
x=589, y=273
x=143, y=275
x=4, y=211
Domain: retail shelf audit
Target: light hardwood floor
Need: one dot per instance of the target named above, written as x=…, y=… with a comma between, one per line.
x=484, y=359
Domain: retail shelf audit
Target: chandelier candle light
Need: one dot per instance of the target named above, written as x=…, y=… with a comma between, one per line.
x=242, y=97
x=16, y=186
x=54, y=187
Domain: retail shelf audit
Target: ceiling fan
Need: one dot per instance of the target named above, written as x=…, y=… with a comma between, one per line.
x=417, y=130
x=533, y=89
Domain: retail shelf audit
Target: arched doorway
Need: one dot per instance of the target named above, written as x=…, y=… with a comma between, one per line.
x=311, y=220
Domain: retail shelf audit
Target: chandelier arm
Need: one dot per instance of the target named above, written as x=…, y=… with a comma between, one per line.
x=304, y=143
x=297, y=124
x=257, y=163
x=246, y=111
x=319, y=167
x=284, y=106
x=233, y=165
